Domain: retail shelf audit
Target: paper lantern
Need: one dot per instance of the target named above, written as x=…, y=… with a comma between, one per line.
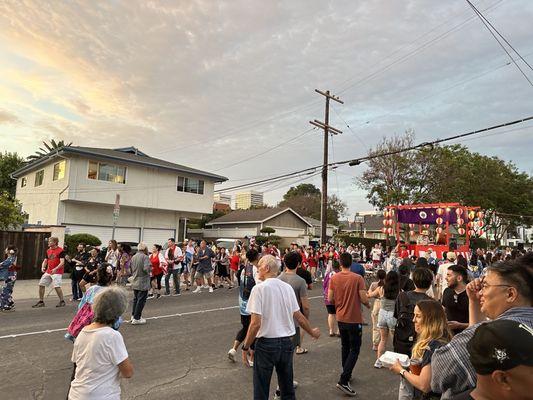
x=390, y=231
x=384, y=230
x=426, y=226
x=480, y=214
x=391, y=213
x=439, y=211
x=480, y=224
x=471, y=215
x=470, y=224
x=411, y=226
x=386, y=214
x=385, y=221
x=461, y=231
x=411, y=233
x=439, y=230
x=460, y=221
x=459, y=211
x=448, y=209
x=481, y=232
x=439, y=221
x=471, y=232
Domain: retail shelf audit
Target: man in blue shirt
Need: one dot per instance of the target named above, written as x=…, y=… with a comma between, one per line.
x=356, y=267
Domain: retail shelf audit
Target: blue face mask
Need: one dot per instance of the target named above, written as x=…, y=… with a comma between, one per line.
x=117, y=323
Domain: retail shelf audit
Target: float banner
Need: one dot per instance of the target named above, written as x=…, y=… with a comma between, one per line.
x=426, y=216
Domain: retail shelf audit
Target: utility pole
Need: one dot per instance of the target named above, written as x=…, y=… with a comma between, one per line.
x=325, y=126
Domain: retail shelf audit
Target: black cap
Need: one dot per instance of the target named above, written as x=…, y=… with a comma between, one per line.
x=501, y=345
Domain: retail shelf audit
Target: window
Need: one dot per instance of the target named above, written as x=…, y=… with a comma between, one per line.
x=23, y=182
x=190, y=185
x=59, y=170
x=107, y=172
x=39, y=177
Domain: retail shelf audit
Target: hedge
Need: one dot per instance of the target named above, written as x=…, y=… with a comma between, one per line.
x=367, y=242
x=72, y=241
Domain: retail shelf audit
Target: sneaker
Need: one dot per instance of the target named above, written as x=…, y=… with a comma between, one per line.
x=277, y=394
x=378, y=364
x=61, y=304
x=205, y=286
x=140, y=321
x=295, y=384
x=231, y=354
x=197, y=290
x=158, y=296
x=346, y=389
x=166, y=294
x=7, y=308
x=176, y=294
x=250, y=363
x=39, y=304
x=221, y=286
x=210, y=290
x=150, y=296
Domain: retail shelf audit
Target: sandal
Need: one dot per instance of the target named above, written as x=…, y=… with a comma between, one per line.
x=301, y=351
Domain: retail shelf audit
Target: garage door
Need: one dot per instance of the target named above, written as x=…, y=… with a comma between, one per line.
x=101, y=232
x=157, y=236
x=127, y=234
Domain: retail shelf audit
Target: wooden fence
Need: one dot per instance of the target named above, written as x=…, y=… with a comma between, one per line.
x=31, y=251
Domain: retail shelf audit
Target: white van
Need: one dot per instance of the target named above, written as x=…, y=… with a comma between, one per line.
x=228, y=244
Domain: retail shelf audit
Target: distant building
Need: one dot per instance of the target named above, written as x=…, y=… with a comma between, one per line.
x=221, y=207
x=222, y=198
x=246, y=200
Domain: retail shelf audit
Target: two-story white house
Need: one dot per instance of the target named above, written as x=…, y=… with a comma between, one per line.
x=77, y=187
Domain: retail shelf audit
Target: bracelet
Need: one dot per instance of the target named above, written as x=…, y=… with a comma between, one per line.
x=402, y=372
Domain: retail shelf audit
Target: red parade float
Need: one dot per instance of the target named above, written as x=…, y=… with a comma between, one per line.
x=441, y=227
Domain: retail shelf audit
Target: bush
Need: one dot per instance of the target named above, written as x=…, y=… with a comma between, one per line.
x=72, y=241
x=367, y=242
x=274, y=239
x=268, y=230
x=261, y=240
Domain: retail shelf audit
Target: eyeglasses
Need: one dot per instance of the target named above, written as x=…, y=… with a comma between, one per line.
x=485, y=285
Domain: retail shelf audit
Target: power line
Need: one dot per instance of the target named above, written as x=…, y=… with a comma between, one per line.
x=484, y=21
x=350, y=128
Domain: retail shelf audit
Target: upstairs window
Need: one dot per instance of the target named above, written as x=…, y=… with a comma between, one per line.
x=23, y=182
x=107, y=172
x=59, y=170
x=190, y=185
x=39, y=177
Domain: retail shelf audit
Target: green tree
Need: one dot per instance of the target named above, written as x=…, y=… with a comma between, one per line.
x=9, y=163
x=48, y=148
x=305, y=199
x=268, y=230
x=11, y=215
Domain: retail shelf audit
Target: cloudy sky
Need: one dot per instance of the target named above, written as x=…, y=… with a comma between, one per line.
x=217, y=85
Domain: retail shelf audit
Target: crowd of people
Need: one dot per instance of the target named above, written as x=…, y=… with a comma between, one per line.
x=456, y=318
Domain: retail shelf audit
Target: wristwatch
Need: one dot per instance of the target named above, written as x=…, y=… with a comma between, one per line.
x=402, y=372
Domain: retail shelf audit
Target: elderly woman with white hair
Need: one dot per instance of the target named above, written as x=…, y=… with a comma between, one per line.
x=99, y=351
x=140, y=282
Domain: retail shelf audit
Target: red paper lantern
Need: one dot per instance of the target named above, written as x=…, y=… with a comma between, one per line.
x=390, y=231
x=480, y=224
x=439, y=211
x=426, y=226
x=481, y=232
x=391, y=212
x=480, y=214
x=439, y=221
x=411, y=233
x=471, y=232
x=386, y=214
x=411, y=226
x=461, y=231
x=459, y=211
x=385, y=221
x=439, y=230
x=470, y=224
x=384, y=230
x=460, y=221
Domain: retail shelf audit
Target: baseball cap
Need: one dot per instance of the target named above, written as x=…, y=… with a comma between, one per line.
x=501, y=345
x=451, y=256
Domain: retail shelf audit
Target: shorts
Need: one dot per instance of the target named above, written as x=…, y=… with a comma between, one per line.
x=222, y=271
x=204, y=275
x=386, y=320
x=89, y=278
x=54, y=279
x=296, y=339
x=331, y=309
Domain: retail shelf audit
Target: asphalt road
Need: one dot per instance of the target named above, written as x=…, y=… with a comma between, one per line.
x=180, y=354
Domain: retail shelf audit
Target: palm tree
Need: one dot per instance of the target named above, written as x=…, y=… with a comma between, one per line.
x=48, y=148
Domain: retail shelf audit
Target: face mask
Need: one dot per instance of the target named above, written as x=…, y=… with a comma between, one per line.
x=117, y=323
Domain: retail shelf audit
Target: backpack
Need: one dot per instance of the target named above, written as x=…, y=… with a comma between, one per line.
x=404, y=333
x=248, y=281
x=83, y=317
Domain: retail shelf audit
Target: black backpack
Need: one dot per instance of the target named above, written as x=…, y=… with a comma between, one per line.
x=404, y=333
x=247, y=280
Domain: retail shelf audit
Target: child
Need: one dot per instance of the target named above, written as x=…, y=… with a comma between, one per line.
x=8, y=274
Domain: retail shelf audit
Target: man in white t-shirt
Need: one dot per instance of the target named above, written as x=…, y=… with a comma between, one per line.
x=376, y=255
x=442, y=284
x=273, y=307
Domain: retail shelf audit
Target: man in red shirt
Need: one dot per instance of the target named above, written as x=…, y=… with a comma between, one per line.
x=52, y=268
x=347, y=292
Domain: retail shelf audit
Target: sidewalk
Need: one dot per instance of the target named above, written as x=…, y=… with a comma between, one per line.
x=29, y=289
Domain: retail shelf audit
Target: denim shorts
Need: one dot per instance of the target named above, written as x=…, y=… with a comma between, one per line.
x=386, y=320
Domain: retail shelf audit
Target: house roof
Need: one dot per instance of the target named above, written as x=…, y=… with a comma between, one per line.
x=373, y=222
x=253, y=216
x=316, y=222
x=129, y=155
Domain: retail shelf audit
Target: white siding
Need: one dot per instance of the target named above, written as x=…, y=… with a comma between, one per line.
x=101, y=232
x=157, y=236
x=127, y=234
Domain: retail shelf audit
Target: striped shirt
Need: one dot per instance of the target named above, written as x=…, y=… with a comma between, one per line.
x=452, y=372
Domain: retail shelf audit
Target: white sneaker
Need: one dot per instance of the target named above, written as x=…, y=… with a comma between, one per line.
x=378, y=364
x=205, y=286
x=210, y=289
x=295, y=384
x=140, y=321
x=197, y=290
x=231, y=354
x=250, y=363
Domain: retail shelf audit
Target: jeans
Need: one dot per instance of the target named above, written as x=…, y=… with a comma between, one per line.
x=139, y=300
x=176, y=277
x=75, y=282
x=273, y=353
x=351, y=335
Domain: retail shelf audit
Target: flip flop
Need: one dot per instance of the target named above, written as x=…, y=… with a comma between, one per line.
x=302, y=351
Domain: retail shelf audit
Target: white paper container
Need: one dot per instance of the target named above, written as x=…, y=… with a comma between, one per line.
x=388, y=359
